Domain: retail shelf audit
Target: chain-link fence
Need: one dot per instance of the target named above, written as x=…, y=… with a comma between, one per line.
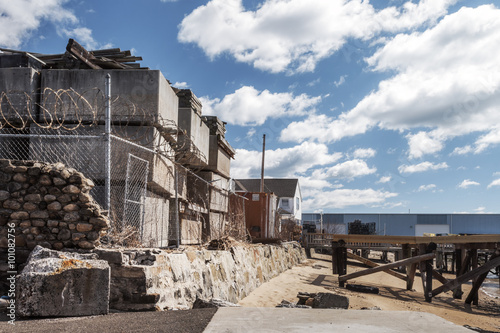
x=153, y=200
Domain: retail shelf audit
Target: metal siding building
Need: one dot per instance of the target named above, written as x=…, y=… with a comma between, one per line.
x=412, y=224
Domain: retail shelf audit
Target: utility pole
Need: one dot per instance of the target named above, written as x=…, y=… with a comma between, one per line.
x=262, y=169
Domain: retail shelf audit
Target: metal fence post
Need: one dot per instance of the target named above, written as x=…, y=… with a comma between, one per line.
x=107, y=139
x=177, y=224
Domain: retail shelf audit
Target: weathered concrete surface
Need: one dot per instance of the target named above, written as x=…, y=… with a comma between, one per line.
x=155, y=279
x=327, y=320
x=60, y=284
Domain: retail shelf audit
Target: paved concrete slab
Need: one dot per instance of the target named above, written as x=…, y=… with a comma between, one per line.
x=326, y=320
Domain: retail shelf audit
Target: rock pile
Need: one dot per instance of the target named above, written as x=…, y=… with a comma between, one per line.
x=48, y=205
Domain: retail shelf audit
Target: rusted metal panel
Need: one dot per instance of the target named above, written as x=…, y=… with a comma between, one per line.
x=260, y=212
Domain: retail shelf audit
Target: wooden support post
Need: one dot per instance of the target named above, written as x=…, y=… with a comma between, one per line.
x=406, y=253
x=339, y=260
x=428, y=282
x=411, y=276
x=479, y=281
x=422, y=269
x=474, y=264
x=462, y=265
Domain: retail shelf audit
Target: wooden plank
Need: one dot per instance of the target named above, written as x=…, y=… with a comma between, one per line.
x=466, y=277
x=385, y=267
x=371, y=239
x=374, y=264
x=411, y=276
x=81, y=53
x=439, y=277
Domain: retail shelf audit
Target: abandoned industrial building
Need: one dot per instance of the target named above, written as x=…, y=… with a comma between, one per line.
x=160, y=168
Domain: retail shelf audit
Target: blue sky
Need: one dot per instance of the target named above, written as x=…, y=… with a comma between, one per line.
x=376, y=106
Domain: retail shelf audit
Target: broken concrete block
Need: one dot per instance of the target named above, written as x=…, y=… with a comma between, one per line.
x=330, y=301
x=213, y=303
x=61, y=284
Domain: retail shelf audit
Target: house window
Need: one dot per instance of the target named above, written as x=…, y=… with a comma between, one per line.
x=285, y=202
x=297, y=203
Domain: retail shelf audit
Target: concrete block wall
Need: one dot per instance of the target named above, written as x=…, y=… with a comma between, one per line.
x=159, y=280
x=143, y=96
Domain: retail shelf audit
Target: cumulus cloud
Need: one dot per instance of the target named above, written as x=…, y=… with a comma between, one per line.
x=248, y=106
x=342, y=198
x=423, y=143
x=445, y=81
x=340, y=82
x=20, y=18
x=384, y=179
x=295, y=34
x=364, y=153
x=286, y=162
x=82, y=35
x=181, y=85
x=421, y=167
x=428, y=187
x=467, y=183
x=346, y=170
x=496, y=182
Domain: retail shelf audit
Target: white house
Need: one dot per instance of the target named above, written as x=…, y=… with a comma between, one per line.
x=286, y=189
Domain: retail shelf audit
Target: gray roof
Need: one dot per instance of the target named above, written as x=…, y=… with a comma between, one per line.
x=282, y=187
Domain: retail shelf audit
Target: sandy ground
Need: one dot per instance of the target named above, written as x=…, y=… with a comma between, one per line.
x=315, y=275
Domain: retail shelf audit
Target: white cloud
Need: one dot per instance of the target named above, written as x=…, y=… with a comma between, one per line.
x=423, y=143
x=82, y=35
x=467, y=183
x=248, y=106
x=181, y=85
x=462, y=150
x=496, y=182
x=446, y=80
x=295, y=34
x=251, y=132
x=346, y=170
x=364, y=153
x=20, y=18
x=428, y=187
x=342, y=198
x=340, y=82
x=384, y=179
x=421, y=167
x=287, y=162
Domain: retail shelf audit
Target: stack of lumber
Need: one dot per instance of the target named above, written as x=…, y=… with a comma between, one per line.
x=77, y=57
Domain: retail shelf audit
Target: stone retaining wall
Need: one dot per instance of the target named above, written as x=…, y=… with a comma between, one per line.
x=49, y=205
x=153, y=279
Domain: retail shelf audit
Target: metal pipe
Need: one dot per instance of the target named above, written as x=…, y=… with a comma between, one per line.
x=107, y=139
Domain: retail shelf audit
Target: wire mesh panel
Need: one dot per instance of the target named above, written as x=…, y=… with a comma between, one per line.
x=135, y=192
x=81, y=149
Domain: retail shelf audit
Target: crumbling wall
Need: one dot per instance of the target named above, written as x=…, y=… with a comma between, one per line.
x=152, y=279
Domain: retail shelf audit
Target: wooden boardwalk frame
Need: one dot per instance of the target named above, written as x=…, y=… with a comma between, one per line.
x=465, y=247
